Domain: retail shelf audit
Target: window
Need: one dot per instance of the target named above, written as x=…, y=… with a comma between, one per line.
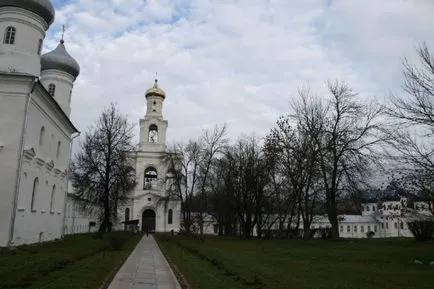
x=153, y=133
x=52, y=89
x=396, y=225
x=39, y=46
x=127, y=214
x=10, y=35
x=150, y=177
x=375, y=229
x=41, y=136
x=52, y=199
x=367, y=208
x=355, y=228
x=362, y=228
x=170, y=217
x=34, y=194
x=387, y=225
x=382, y=225
x=348, y=229
x=342, y=229
x=401, y=225
x=369, y=228
x=59, y=144
x=373, y=208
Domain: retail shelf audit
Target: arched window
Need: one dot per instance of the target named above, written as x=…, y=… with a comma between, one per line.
x=10, y=35
x=59, y=145
x=150, y=177
x=127, y=214
x=52, y=89
x=41, y=136
x=34, y=194
x=53, y=198
x=39, y=46
x=153, y=133
x=170, y=217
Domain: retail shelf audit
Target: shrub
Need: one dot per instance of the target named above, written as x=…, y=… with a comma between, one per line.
x=370, y=234
x=422, y=230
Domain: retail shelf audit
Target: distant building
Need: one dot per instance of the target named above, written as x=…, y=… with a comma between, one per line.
x=386, y=218
x=35, y=129
x=77, y=220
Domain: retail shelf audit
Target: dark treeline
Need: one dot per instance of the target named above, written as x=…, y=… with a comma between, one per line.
x=318, y=158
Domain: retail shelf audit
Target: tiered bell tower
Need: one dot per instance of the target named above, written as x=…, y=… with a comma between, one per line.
x=151, y=205
x=153, y=127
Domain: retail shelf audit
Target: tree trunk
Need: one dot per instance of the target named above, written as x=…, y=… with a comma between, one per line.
x=306, y=229
x=333, y=218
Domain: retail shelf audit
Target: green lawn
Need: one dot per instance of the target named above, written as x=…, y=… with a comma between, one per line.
x=280, y=264
x=78, y=261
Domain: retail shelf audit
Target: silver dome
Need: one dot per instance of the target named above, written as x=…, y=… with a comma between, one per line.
x=59, y=59
x=43, y=8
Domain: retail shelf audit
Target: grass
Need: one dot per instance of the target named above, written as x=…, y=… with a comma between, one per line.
x=282, y=264
x=78, y=261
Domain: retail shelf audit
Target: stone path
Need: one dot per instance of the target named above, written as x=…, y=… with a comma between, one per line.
x=145, y=268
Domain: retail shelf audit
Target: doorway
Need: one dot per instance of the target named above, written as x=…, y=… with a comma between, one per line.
x=148, y=221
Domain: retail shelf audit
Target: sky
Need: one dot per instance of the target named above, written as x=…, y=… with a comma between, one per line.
x=238, y=62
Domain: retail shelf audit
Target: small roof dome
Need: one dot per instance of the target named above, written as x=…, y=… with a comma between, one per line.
x=43, y=8
x=59, y=59
x=155, y=90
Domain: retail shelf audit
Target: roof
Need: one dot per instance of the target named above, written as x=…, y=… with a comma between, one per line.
x=357, y=219
x=59, y=59
x=43, y=8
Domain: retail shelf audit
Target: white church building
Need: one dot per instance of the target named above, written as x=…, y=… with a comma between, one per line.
x=35, y=129
x=151, y=208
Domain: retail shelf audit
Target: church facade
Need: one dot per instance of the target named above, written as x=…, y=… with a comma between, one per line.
x=151, y=206
x=35, y=128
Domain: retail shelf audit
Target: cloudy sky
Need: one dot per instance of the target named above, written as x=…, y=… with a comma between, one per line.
x=233, y=61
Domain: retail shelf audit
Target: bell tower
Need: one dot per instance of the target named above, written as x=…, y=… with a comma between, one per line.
x=153, y=127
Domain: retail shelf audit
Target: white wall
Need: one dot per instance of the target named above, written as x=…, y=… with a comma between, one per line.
x=78, y=221
x=13, y=94
x=49, y=165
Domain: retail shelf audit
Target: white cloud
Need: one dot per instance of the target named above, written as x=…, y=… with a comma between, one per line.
x=235, y=62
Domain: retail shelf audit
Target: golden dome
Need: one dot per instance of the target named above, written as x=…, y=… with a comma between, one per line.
x=155, y=90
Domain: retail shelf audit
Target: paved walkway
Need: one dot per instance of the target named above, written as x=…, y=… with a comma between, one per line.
x=145, y=268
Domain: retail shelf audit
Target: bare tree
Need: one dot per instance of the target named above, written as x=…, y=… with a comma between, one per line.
x=346, y=133
x=184, y=164
x=102, y=172
x=190, y=165
x=282, y=198
x=213, y=143
x=222, y=202
x=299, y=157
x=246, y=179
x=414, y=111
